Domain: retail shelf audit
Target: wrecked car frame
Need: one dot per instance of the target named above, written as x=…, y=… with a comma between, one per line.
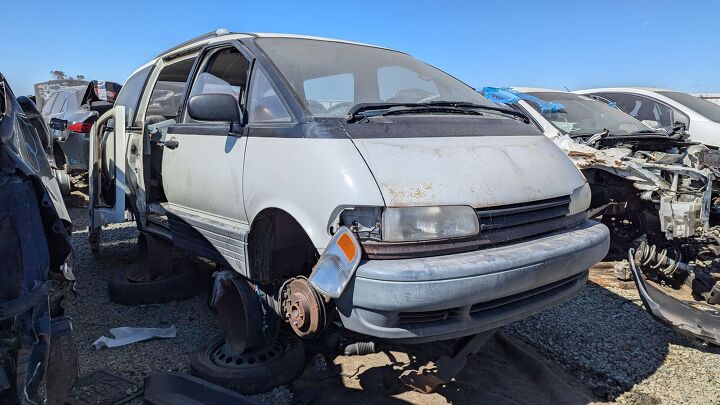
x=35, y=264
x=656, y=193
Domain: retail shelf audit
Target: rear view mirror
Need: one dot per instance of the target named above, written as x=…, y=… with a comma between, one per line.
x=652, y=124
x=58, y=124
x=215, y=107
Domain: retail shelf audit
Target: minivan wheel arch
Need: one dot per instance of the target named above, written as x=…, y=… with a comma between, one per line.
x=278, y=248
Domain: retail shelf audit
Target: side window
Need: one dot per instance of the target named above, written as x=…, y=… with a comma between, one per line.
x=265, y=105
x=47, y=107
x=225, y=73
x=60, y=102
x=643, y=108
x=130, y=93
x=168, y=92
x=324, y=93
x=401, y=84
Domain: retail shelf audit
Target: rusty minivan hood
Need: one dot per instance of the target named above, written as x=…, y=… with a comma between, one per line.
x=480, y=171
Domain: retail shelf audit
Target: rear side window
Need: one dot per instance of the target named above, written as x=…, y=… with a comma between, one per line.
x=60, y=102
x=642, y=108
x=48, y=104
x=129, y=96
x=168, y=91
x=265, y=106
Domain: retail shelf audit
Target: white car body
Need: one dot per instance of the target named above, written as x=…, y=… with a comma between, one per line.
x=700, y=128
x=313, y=170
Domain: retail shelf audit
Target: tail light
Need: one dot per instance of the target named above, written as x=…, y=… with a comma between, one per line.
x=81, y=127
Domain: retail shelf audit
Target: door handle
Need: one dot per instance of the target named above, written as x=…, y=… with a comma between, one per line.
x=172, y=143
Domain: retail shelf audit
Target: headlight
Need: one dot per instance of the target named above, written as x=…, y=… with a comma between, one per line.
x=423, y=223
x=580, y=199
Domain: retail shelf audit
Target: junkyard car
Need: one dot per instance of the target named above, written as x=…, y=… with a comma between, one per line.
x=667, y=109
x=654, y=191
x=35, y=259
x=70, y=113
x=337, y=178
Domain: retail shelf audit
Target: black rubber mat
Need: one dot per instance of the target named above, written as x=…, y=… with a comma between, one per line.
x=102, y=387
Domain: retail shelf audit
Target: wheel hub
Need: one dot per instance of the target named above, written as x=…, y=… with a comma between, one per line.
x=304, y=308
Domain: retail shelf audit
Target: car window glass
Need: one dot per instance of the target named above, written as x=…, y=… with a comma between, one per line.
x=226, y=73
x=168, y=91
x=265, y=105
x=403, y=85
x=130, y=93
x=643, y=108
x=60, y=102
x=327, y=93
x=48, y=104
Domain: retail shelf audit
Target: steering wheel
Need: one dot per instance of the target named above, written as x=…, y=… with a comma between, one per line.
x=341, y=106
x=412, y=96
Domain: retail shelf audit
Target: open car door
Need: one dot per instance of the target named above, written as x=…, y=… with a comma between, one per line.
x=107, y=186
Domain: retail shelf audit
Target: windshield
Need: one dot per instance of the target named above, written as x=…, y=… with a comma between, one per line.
x=331, y=77
x=582, y=115
x=705, y=108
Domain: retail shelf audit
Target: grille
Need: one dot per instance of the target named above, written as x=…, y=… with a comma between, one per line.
x=517, y=221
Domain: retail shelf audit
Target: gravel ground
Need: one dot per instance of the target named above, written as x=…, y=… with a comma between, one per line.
x=613, y=346
x=602, y=338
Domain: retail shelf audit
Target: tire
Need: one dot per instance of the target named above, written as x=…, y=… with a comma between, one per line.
x=261, y=375
x=182, y=285
x=63, y=180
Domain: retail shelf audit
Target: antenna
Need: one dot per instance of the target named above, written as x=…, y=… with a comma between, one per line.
x=566, y=89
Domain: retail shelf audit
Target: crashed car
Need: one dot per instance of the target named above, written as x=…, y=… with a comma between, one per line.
x=336, y=181
x=666, y=109
x=38, y=362
x=655, y=193
x=70, y=113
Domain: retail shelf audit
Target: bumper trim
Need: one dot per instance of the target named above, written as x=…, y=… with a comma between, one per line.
x=502, y=284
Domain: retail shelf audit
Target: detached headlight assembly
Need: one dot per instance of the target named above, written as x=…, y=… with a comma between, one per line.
x=580, y=199
x=408, y=224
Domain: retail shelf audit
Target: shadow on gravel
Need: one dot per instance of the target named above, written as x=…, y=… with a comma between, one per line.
x=606, y=340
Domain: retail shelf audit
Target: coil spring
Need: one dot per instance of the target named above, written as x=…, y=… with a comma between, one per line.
x=647, y=255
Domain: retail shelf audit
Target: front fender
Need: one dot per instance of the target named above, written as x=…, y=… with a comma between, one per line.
x=309, y=178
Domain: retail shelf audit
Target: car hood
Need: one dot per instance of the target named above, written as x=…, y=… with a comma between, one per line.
x=480, y=170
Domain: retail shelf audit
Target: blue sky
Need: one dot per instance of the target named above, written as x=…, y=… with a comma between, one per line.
x=575, y=44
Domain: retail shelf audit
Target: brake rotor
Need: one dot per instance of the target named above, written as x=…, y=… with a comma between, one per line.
x=303, y=307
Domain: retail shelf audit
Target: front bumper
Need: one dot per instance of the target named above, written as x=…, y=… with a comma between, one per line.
x=445, y=297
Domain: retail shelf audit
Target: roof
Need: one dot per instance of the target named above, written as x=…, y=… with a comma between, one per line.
x=621, y=89
x=537, y=90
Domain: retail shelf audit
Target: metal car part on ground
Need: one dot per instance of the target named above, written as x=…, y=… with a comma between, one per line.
x=458, y=216
x=37, y=356
x=656, y=193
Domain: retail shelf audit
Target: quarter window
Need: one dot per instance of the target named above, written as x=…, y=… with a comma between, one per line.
x=226, y=73
x=265, y=105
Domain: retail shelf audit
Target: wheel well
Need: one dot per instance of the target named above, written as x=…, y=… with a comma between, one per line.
x=58, y=155
x=279, y=248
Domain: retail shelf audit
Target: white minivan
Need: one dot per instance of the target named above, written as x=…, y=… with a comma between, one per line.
x=339, y=182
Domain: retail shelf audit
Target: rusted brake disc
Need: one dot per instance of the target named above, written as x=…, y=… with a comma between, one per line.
x=304, y=308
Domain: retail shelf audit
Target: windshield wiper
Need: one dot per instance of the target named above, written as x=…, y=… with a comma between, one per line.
x=357, y=112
